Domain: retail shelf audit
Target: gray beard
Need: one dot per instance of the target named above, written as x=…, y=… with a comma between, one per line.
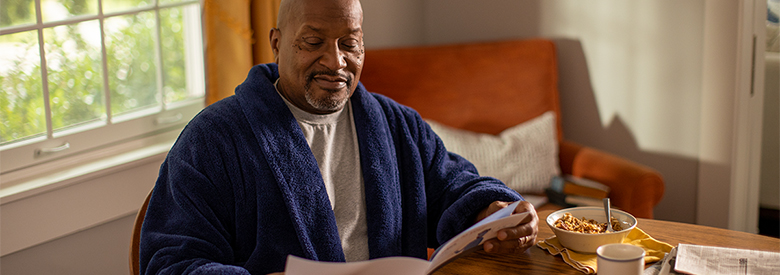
x=329, y=103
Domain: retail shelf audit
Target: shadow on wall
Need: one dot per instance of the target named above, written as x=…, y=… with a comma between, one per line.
x=582, y=124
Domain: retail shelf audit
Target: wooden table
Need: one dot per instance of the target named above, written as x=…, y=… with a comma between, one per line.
x=537, y=261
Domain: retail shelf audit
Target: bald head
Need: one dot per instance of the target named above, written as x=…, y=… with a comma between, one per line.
x=294, y=9
x=285, y=10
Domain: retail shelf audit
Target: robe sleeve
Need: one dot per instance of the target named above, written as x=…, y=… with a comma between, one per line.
x=187, y=228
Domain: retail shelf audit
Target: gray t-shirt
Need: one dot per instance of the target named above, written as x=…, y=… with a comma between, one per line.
x=333, y=141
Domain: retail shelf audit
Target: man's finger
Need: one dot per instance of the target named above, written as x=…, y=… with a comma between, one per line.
x=509, y=246
x=522, y=229
x=492, y=208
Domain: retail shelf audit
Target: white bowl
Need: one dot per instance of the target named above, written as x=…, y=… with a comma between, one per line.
x=588, y=243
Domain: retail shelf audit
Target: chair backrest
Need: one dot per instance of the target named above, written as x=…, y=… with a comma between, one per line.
x=482, y=87
x=135, y=242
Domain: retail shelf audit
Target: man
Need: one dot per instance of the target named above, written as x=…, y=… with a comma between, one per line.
x=304, y=161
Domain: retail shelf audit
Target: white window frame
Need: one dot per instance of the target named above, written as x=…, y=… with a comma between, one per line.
x=23, y=164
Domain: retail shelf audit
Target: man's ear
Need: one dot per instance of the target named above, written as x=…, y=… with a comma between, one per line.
x=274, y=36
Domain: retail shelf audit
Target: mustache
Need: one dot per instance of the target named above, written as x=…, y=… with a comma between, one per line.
x=310, y=77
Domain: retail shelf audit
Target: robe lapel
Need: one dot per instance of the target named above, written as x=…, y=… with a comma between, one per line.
x=294, y=166
x=380, y=175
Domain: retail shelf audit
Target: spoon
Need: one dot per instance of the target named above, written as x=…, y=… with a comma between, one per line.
x=609, y=216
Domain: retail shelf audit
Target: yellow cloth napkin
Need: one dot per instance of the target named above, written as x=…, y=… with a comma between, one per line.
x=586, y=262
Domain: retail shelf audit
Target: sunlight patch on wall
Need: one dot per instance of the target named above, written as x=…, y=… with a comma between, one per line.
x=645, y=67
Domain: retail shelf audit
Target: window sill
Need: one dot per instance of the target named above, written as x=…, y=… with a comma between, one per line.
x=111, y=184
x=21, y=184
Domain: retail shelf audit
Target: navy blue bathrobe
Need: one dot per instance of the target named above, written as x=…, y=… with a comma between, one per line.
x=240, y=190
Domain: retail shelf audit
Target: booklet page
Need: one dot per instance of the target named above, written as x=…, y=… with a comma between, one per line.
x=384, y=266
x=466, y=241
x=476, y=235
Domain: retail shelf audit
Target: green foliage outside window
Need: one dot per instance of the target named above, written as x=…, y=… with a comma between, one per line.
x=21, y=102
x=132, y=68
x=15, y=12
x=75, y=70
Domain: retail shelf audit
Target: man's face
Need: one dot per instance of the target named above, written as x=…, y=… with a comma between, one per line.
x=319, y=49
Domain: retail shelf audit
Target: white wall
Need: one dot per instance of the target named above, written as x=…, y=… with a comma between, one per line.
x=393, y=23
x=101, y=250
x=464, y=21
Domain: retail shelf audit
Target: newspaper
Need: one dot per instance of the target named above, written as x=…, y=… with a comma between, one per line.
x=698, y=259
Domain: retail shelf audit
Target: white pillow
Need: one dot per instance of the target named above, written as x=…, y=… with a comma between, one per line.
x=524, y=157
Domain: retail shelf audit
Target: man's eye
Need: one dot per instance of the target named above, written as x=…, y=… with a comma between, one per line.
x=350, y=43
x=312, y=41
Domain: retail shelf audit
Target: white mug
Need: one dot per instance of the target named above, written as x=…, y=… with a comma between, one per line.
x=619, y=258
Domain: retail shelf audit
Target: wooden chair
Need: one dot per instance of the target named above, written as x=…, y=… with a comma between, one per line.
x=136, y=237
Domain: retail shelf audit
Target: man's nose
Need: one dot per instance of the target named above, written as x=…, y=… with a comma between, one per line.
x=333, y=58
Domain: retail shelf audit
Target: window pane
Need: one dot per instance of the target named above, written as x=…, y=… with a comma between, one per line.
x=181, y=52
x=21, y=99
x=73, y=56
x=17, y=12
x=132, y=70
x=53, y=10
x=110, y=6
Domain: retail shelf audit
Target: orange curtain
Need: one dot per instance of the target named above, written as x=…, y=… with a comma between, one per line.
x=236, y=39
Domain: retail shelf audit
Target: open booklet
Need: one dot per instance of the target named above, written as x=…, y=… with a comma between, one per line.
x=467, y=241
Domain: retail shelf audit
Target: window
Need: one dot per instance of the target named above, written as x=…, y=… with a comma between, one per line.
x=80, y=76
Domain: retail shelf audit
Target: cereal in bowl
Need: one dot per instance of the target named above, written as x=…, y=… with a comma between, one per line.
x=589, y=226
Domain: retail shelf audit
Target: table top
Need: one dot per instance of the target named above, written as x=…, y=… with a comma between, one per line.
x=537, y=261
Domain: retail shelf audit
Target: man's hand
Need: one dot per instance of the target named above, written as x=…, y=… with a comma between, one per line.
x=515, y=239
